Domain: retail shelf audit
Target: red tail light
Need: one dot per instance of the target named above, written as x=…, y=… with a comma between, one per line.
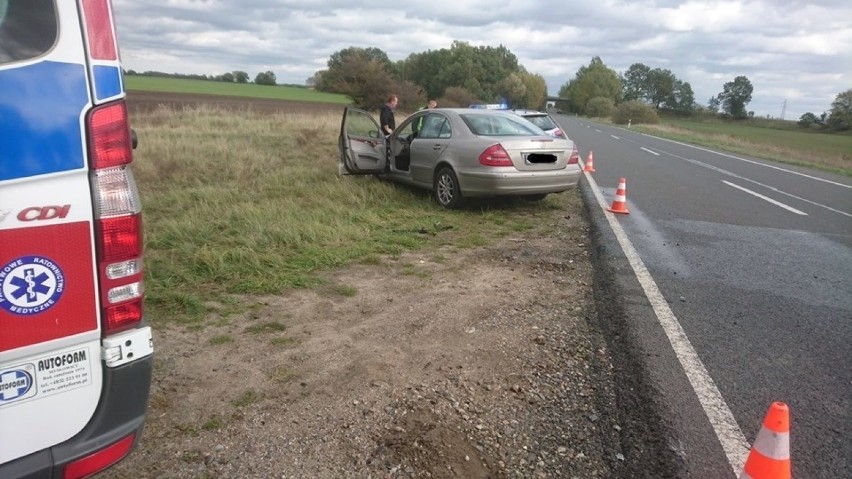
x=574, y=159
x=120, y=238
x=126, y=315
x=109, y=143
x=119, y=255
x=100, y=460
x=119, y=221
x=495, y=155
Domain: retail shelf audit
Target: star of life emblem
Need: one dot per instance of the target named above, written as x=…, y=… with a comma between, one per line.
x=30, y=285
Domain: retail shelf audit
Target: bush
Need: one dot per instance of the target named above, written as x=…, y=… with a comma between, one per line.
x=456, y=97
x=411, y=96
x=807, y=120
x=265, y=78
x=635, y=111
x=600, y=107
x=840, y=116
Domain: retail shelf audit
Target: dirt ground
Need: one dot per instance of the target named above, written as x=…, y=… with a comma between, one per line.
x=469, y=363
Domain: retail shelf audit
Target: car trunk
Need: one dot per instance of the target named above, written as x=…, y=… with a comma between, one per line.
x=537, y=154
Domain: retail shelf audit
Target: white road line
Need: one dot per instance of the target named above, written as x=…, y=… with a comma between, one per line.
x=617, y=138
x=598, y=131
x=649, y=151
x=785, y=170
x=743, y=178
x=766, y=198
x=718, y=413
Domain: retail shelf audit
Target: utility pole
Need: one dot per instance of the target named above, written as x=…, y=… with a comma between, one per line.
x=783, y=108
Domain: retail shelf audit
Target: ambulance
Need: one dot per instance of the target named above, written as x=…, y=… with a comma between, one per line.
x=75, y=349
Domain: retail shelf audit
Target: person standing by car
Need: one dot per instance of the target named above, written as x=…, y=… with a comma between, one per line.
x=429, y=105
x=386, y=117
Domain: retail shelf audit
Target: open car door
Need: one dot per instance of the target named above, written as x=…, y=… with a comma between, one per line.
x=362, y=146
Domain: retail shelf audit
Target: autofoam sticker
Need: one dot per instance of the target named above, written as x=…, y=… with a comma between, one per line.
x=46, y=376
x=30, y=285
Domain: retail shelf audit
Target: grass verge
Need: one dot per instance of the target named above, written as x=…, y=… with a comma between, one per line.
x=240, y=204
x=830, y=152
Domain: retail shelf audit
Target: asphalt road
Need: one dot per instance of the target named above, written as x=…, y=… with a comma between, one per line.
x=754, y=260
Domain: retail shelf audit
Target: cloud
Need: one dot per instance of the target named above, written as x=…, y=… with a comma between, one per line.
x=790, y=50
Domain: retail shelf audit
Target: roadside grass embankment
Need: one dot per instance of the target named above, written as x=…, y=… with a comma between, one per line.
x=239, y=204
x=830, y=152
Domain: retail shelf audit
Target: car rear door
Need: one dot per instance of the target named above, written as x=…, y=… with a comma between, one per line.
x=363, y=150
x=50, y=299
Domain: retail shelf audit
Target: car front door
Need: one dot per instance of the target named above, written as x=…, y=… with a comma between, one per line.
x=362, y=147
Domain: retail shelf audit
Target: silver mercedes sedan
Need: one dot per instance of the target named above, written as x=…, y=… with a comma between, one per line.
x=460, y=153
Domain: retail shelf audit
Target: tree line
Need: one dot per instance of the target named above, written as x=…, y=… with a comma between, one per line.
x=455, y=76
x=236, y=76
x=838, y=117
x=464, y=74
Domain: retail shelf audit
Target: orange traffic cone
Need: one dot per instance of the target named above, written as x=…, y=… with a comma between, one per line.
x=620, y=203
x=590, y=163
x=770, y=454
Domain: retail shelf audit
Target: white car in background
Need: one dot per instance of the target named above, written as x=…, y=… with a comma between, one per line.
x=543, y=121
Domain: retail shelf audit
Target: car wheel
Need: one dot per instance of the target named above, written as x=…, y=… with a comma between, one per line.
x=447, y=191
x=538, y=197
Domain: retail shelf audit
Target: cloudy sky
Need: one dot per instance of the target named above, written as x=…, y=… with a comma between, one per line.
x=794, y=53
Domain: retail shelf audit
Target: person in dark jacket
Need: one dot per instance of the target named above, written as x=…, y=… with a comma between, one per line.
x=386, y=118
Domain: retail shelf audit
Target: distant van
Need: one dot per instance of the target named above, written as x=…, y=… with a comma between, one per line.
x=75, y=350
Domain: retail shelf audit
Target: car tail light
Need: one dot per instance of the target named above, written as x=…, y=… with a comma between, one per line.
x=495, y=155
x=118, y=225
x=574, y=159
x=100, y=460
x=109, y=136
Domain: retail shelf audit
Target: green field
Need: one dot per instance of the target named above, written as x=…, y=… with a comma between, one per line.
x=774, y=140
x=205, y=87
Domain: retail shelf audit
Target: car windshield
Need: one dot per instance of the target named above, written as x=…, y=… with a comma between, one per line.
x=542, y=121
x=500, y=125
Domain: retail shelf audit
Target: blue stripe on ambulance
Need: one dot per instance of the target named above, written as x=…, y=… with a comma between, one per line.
x=40, y=125
x=107, y=80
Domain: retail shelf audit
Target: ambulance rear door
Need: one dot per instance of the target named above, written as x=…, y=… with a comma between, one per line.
x=50, y=330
